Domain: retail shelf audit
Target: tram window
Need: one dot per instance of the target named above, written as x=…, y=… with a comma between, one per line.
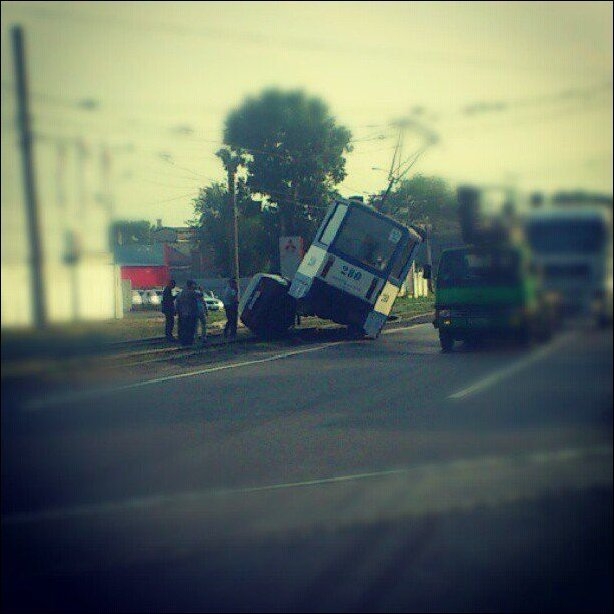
x=402, y=259
x=368, y=239
x=329, y=232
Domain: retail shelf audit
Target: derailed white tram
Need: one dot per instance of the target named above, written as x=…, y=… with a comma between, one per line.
x=351, y=274
x=354, y=269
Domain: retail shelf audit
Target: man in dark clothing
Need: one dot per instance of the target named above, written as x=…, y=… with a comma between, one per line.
x=168, y=309
x=187, y=310
x=230, y=298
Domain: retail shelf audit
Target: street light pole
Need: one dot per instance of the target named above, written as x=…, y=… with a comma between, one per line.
x=107, y=200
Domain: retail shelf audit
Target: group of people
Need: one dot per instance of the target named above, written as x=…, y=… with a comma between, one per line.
x=190, y=308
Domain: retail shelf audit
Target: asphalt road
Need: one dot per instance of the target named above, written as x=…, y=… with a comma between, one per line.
x=347, y=476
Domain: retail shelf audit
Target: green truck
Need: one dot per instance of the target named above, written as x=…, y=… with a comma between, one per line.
x=490, y=292
x=491, y=286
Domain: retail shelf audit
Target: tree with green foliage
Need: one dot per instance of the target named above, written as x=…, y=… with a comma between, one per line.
x=419, y=197
x=426, y=200
x=257, y=229
x=294, y=154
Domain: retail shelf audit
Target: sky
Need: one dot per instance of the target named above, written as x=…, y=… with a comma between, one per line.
x=517, y=93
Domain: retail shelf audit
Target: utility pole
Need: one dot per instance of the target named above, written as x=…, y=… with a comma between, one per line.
x=398, y=168
x=235, y=219
x=231, y=163
x=429, y=255
x=394, y=167
x=38, y=288
x=81, y=189
x=70, y=241
x=106, y=197
x=76, y=231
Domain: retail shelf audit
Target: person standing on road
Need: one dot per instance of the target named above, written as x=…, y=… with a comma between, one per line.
x=168, y=309
x=202, y=314
x=187, y=310
x=230, y=298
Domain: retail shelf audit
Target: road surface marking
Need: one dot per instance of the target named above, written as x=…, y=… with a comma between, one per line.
x=469, y=465
x=70, y=397
x=501, y=374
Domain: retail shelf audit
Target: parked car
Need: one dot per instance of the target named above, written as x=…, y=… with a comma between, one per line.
x=152, y=298
x=137, y=299
x=212, y=302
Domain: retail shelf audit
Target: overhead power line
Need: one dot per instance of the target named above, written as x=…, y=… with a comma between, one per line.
x=229, y=36
x=581, y=97
x=566, y=95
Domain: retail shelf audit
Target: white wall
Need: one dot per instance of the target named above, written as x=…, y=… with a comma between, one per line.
x=417, y=286
x=98, y=292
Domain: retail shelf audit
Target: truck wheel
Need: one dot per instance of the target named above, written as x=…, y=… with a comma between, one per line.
x=446, y=341
x=545, y=331
x=473, y=342
x=526, y=336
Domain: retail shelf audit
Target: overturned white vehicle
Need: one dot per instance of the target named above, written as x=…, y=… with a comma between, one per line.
x=351, y=274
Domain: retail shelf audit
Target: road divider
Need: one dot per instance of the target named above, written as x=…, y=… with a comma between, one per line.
x=498, y=376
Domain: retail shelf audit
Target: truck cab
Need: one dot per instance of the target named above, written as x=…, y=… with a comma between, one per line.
x=490, y=291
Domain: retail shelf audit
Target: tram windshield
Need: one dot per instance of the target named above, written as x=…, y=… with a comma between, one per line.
x=368, y=239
